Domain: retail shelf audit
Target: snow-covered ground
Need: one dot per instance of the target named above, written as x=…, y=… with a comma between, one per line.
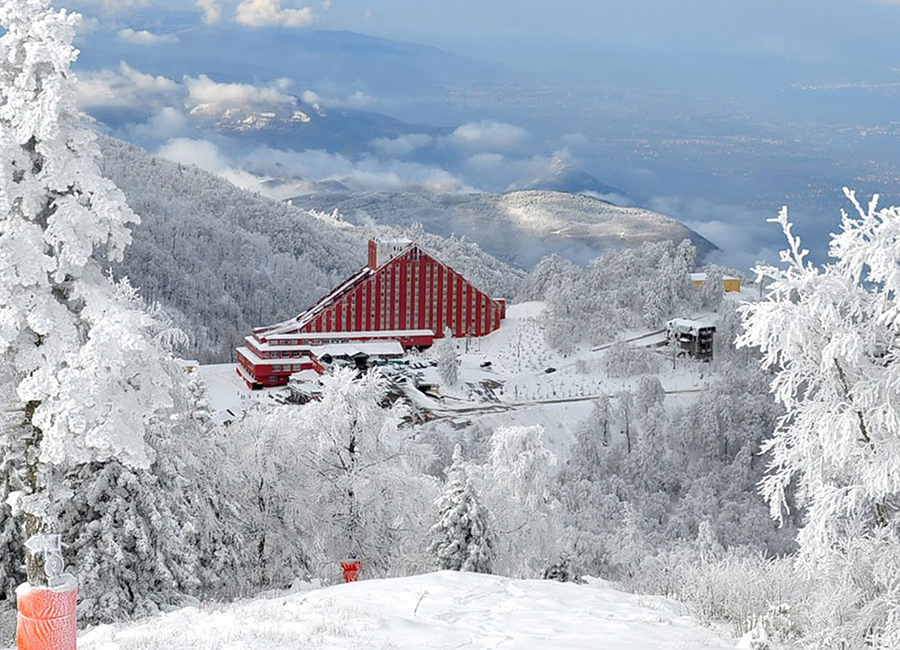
x=446, y=610
x=519, y=358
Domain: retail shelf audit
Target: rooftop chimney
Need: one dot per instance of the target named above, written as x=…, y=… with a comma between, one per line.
x=384, y=250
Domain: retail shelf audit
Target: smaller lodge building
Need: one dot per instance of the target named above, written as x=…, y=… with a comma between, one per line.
x=729, y=282
x=692, y=337
x=403, y=295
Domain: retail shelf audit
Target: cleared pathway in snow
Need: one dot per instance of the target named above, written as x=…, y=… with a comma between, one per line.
x=439, y=611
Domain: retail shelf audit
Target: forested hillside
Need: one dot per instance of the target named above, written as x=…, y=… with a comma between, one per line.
x=222, y=260
x=227, y=260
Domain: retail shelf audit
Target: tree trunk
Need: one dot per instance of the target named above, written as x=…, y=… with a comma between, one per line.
x=34, y=525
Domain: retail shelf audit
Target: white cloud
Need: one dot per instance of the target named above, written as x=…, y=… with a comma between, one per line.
x=203, y=91
x=126, y=88
x=163, y=125
x=358, y=100
x=88, y=25
x=188, y=151
x=212, y=12
x=263, y=13
x=311, y=98
x=364, y=174
x=402, y=145
x=115, y=6
x=207, y=156
x=489, y=135
x=742, y=233
x=361, y=175
x=143, y=37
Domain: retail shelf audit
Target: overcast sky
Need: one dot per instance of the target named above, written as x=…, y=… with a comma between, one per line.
x=541, y=33
x=747, y=56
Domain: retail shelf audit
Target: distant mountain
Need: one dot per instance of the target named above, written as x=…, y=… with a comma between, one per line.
x=562, y=176
x=413, y=77
x=299, y=126
x=517, y=227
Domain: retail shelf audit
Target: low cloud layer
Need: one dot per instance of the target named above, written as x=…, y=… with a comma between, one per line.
x=402, y=145
x=742, y=233
x=125, y=88
x=248, y=170
x=143, y=37
x=204, y=91
x=489, y=135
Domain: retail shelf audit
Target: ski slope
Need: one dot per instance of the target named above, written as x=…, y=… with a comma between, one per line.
x=437, y=611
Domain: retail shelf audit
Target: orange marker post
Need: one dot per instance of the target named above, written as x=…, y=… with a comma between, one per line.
x=351, y=570
x=46, y=618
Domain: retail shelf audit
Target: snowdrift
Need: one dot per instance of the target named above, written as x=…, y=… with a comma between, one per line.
x=439, y=610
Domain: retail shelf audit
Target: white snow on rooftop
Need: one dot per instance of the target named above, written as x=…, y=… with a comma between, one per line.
x=439, y=611
x=686, y=323
x=368, y=348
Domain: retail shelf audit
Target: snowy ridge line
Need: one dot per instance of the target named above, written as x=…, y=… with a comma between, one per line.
x=442, y=611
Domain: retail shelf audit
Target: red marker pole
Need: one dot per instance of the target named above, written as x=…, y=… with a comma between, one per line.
x=351, y=570
x=46, y=618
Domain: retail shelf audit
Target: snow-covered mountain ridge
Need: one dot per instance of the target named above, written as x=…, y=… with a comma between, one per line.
x=517, y=227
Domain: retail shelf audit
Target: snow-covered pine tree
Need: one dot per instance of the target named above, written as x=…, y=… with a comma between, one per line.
x=57, y=210
x=448, y=363
x=142, y=538
x=462, y=539
x=831, y=336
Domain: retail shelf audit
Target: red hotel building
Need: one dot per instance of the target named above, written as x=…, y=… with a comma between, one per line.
x=402, y=294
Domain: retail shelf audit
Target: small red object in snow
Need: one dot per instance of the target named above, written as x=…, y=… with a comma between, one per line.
x=47, y=616
x=351, y=570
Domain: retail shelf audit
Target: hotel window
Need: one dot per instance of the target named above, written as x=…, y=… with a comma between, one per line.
x=276, y=368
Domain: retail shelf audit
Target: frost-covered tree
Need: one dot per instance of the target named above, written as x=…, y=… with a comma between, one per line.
x=619, y=290
x=831, y=335
x=143, y=538
x=63, y=339
x=713, y=289
x=447, y=359
x=90, y=399
x=462, y=538
x=516, y=485
x=366, y=494
x=11, y=574
x=274, y=527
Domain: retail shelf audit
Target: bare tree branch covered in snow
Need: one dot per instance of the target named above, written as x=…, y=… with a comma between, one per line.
x=830, y=334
